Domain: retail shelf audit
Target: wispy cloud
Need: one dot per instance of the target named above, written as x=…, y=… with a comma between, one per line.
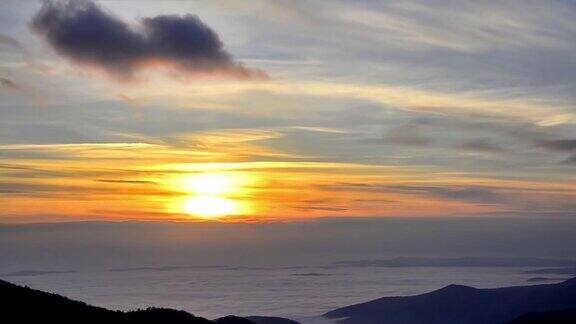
x=566, y=145
x=8, y=84
x=10, y=42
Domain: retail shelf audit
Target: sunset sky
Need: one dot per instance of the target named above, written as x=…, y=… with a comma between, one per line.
x=265, y=111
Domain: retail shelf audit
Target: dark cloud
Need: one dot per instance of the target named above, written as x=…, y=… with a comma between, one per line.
x=564, y=145
x=126, y=181
x=472, y=194
x=475, y=194
x=570, y=160
x=321, y=208
x=482, y=145
x=10, y=85
x=86, y=34
x=11, y=192
x=28, y=189
x=351, y=186
x=408, y=134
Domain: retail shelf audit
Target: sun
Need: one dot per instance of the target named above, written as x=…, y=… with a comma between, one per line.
x=212, y=195
x=210, y=184
x=209, y=207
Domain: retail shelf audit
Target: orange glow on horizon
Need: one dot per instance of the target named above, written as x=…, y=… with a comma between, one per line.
x=151, y=184
x=212, y=195
x=209, y=207
x=210, y=184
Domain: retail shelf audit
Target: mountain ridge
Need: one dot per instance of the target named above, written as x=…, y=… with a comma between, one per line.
x=27, y=305
x=456, y=304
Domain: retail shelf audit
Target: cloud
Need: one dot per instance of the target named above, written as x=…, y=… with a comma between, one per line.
x=126, y=181
x=565, y=145
x=455, y=262
x=10, y=85
x=321, y=208
x=481, y=145
x=87, y=35
x=570, y=160
x=10, y=42
x=467, y=193
x=408, y=134
x=233, y=136
x=475, y=194
x=483, y=195
x=34, y=273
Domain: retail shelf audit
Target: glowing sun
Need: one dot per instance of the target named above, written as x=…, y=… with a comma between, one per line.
x=210, y=207
x=210, y=184
x=210, y=194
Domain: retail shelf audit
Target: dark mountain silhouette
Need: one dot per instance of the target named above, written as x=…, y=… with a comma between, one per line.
x=26, y=305
x=567, y=316
x=270, y=320
x=231, y=319
x=457, y=304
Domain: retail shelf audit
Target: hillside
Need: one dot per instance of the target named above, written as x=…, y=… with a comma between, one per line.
x=26, y=305
x=457, y=304
x=567, y=316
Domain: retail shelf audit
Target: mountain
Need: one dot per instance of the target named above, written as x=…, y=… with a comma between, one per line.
x=270, y=320
x=567, y=316
x=456, y=304
x=231, y=319
x=26, y=305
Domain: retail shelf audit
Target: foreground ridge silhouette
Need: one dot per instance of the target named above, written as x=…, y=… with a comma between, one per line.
x=457, y=304
x=25, y=305
x=567, y=316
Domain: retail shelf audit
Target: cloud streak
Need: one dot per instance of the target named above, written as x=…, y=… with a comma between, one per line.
x=87, y=35
x=564, y=145
x=6, y=83
x=10, y=42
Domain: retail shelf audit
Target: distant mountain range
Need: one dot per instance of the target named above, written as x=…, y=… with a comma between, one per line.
x=25, y=305
x=270, y=320
x=456, y=304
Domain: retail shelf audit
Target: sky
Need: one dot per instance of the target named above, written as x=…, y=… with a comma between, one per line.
x=327, y=242
x=277, y=111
